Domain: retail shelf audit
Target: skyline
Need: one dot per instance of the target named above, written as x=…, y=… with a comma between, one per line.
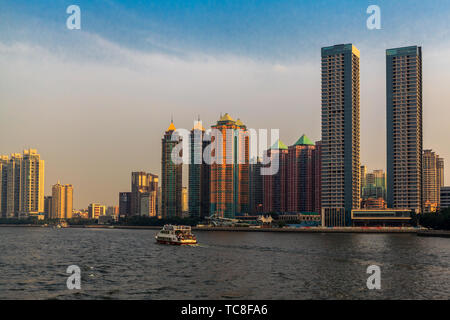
x=104, y=106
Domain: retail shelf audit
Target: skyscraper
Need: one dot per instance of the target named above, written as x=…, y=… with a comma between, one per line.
x=433, y=168
x=48, y=202
x=3, y=184
x=404, y=128
x=340, y=134
x=171, y=177
x=13, y=188
x=318, y=176
x=22, y=184
x=62, y=201
x=32, y=183
x=124, y=204
x=301, y=175
x=199, y=173
x=230, y=171
x=143, y=184
x=275, y=186
x=256, y=182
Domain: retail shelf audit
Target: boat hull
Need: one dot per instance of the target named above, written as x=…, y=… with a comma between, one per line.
x=177, y=243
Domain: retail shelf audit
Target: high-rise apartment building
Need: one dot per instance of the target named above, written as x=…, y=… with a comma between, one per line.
x=22, y=184
x=171, y=176
x=199, y=173
x=48, y=203
x=340, y=154
x=404, y=128
x=32, y=183
x=143, y=184
x=62, y=201
x=256, y=182
x=301, y=176
x=13, y=188
x=3, y=184
x=148, y=204
x=229, y=168
x=433, y=168
x=275, y=185
x=124, y=204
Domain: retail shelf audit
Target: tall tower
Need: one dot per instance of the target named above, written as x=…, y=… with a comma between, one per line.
x=62, y=201
x=275, y=186
x=230, y=173
x=199, y=173
x=340, y=134
x=13, y=185
x=432, y=175
x=404, y=128
x=3, y=184
x=302, y=182
x=32, y=182
x=145, y=185
x=171, y=177
x=256, y=182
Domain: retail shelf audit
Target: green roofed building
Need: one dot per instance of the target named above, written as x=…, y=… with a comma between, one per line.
x=303, y=174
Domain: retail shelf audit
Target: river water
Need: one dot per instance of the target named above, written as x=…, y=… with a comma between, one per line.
x=128, y=264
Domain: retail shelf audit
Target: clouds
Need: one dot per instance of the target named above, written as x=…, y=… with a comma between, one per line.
x=95, y=102
x=96, y=119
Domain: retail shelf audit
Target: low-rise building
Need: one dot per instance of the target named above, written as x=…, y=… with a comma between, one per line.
x=304, y=218
x=445, y=197
x=95, y=210
x=381, y=218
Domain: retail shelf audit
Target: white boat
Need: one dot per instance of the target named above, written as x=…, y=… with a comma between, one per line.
x=171, y=234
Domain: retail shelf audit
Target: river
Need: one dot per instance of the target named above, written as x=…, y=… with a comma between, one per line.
x=128, y=264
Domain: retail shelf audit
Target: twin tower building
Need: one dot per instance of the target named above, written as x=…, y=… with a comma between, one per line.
x=340, y=179
x=322, y=177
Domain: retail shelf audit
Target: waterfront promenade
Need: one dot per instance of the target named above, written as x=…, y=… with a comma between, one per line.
x=251, y=229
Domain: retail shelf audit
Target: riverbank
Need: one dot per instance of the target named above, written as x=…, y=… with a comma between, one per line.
x=247, y=229
x=434, y=233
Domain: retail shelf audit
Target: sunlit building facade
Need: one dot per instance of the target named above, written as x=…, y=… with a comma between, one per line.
x=433, y=175
x=229, y=168
x=199, y=173
x=22, y=184
x=171, y=176
x=340, y=174
x=62, y=201
x=404, y=128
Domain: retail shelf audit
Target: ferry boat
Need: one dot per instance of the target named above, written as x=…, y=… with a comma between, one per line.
x=171, y=234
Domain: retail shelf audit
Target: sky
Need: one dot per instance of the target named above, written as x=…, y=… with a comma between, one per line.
x=95, y=102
